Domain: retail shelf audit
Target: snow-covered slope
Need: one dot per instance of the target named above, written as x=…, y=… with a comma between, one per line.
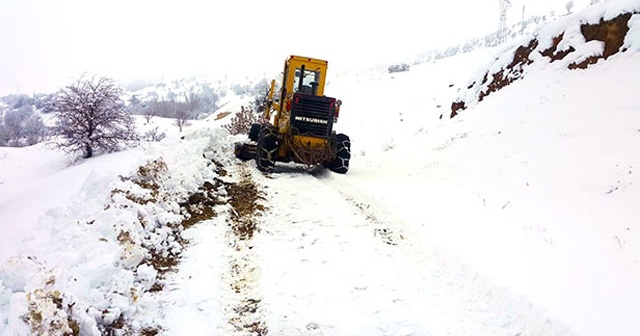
x=536, y=186
x=516, y=217
x=574, y=42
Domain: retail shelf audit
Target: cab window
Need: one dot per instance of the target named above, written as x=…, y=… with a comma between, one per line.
x=310, y=80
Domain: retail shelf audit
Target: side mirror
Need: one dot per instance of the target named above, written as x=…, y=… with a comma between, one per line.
x=339, y=102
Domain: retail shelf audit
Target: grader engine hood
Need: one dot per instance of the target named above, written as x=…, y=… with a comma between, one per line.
x=312, y=115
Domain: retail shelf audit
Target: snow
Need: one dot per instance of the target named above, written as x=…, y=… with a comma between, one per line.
x=532, y=191
x=517, y=217
x=633, y=36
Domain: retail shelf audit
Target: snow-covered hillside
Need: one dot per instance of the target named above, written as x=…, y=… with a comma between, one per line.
x=518, y=216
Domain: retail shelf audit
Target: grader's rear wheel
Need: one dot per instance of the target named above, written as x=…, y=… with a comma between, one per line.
x=340, y=163
x=254, y=131
x=267, y=148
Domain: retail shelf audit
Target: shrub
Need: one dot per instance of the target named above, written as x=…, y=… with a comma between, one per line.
x=154, y=135
x=398, y=67
x=242, y=121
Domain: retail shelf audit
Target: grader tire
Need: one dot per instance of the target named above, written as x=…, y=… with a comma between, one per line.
x=267, y=148
x=340, y=163
x=254, y=132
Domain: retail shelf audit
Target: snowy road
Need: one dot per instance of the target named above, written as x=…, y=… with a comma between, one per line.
x=328, y=246
x=517, y=217
x=328, y=260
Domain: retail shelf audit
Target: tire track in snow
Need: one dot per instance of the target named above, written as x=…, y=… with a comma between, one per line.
x=382, y=227
x=216, y=291
x=329, y=273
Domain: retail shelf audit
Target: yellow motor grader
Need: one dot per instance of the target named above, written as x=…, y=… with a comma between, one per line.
x=300, y=122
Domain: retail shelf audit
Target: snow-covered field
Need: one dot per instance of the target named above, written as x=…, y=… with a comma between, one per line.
x=517, y=217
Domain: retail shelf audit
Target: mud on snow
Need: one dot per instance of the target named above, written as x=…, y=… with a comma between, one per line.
x=244, y=271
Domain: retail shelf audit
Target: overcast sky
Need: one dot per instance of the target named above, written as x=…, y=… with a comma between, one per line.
x=46, y=44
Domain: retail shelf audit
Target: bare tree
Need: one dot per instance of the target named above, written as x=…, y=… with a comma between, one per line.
x=35, y=130
x=182, y=117
x=162, y=108
x=148, y=113
x=14, y=119
x=193, y=103
x=4, y=136
x=21, y=127
x=92, y=117
x=210, y=97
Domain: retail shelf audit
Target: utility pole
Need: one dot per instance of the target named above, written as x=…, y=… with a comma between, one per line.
x=502, y=29
x=522, y=22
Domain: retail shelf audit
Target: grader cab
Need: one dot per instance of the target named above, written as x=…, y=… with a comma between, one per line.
x=300, y=122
